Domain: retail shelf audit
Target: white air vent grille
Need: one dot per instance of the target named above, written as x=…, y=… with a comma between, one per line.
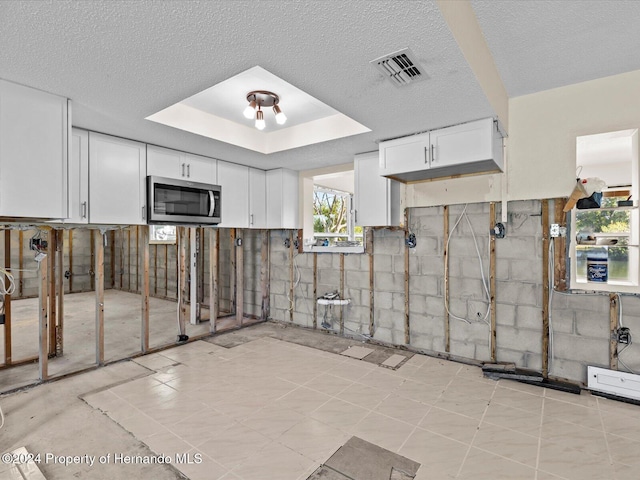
x=401, y=67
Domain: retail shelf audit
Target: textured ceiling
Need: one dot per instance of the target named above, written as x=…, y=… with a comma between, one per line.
x=122, y=61
x=543, y=44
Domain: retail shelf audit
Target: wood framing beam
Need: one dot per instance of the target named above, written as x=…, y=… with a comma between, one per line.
x=560, y=248
x=445, y=256
x=292, y=293
x=93, y=253
x=614, y=311
x=20, y=263
x=129, y=259
x=315, y=290
x=112, y=240
x=182, y=283
x=155, y=269
x=7, y=300
x=200, y=297
x=369, y=248
x=239, y=250
x=232, y=270
x=71, y=261
x=214, y=281
x=166, y=270
x=144, y=334
x=60, y=288
x=43, y=355
x=341, y=293
x=545, y=288
x=98, y=269
x=407, y=324
x=492, y=279
x=137, y=257
x=51, y=291
x=265, y=271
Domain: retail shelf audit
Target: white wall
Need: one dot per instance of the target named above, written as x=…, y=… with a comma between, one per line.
x=541, y=148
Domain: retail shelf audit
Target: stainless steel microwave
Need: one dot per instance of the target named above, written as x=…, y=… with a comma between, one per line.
x=180, y=202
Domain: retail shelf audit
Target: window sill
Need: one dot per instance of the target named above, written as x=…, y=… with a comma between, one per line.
x=319, y=249
x=611, y=286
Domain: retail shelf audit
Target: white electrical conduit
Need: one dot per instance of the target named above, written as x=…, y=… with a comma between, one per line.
x=484, y=281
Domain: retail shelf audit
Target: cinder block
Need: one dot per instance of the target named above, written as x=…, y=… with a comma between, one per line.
x=383, y=300
x=329, y=277
x=463, y=349
x=519, y=293
x=432, y=265
x=427, y=245
x=352, y=262
x=435, y=306
x=325, y=260
x=356, y=296
x=398, y=300
x=518, y=248
x=422, y=341
x=389, y=319
x=357, y=279
x=505, y=315
x=596, y=326
x=417, y=303
x=526, y=270
x=382, y=263
x=389, y=282
x=529, y=317
x=589, y=351
x=389, y=245
x=520, y=339
x=398, y=263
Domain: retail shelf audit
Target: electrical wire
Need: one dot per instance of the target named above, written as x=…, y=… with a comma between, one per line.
x=1, y=419
x=4, y=289
x=464, y=215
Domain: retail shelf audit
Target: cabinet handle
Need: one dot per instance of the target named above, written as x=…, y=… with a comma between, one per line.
x=144, y=213
x=188, y=170
x=251, y=219
x=433, y=153
x=426, y=155
x=183, y=169
x=84, y=209
x=355, y=214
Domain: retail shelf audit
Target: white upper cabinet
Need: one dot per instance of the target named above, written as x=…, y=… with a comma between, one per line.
x=234, y=180
x=257, y=198
x=282, y=198
x=376, y=198
x=79, y=177
x=34, y=139
x=164, y=162
x=117, y=175
x=465, y=149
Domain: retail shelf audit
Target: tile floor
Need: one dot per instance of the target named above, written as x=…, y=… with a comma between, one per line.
x=269, y=409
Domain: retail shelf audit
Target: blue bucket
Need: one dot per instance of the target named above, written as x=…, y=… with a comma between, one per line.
x=597, y=268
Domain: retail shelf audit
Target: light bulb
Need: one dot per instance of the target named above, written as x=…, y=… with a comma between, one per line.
x=281, y=118
x=260, y=124
x=250, y=110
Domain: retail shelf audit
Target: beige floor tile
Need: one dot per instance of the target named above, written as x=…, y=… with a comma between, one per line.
x=207, y=469
x=463, y=405
x=154, y=361
x=383, y=431
x=514, y=418
x=201, y=426
x=580, y=438
x=274, y=461
x=548, y=476
x=241, y=405
x=340, y=414
x=480, y=465
x=328, y=384
x=351, y=371
x=472, y=387
x=450, y=425
x=626, y=472
x=313, y=439
x=622, y=424
x=272, y=421
x=363, y=396
x=563, y=460
x=624, y=450
x=420, y=392
x=572, y=413
x=302, y=400
x=380, y=379
x=403, y=409
x=517, y=399
x=234, y=445
x=166, y=443
x=442, y=456
x=524, y=387
x=585, y=398
x=142, y=426
x=513, y=445
x=356, y=351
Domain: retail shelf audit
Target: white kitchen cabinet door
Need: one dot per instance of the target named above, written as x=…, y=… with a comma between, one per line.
x=34, y=139
x=406, y=154
x=282, y=198
x=163, y=162
x=465, y=143
x=234, y=180
x=376, y=198
x=117, y=174
x=257, y=198
x=79, y=178
x=200, y=169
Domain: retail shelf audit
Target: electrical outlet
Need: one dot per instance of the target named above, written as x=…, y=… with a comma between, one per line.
x=499, y=231
x=624, y=335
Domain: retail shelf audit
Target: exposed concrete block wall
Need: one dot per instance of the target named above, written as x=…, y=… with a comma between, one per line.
x=225, y=289
x=252, y=263
x=580, y=322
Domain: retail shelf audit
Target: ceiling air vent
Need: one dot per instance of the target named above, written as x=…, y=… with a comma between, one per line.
x=401, y=67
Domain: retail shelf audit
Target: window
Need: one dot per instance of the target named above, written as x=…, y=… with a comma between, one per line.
x=162, y=234
x=333, y=222
x=604, y=244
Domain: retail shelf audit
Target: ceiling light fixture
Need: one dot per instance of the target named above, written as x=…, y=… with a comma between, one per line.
x=262, y=98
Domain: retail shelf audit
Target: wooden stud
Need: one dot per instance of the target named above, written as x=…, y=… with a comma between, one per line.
x=232, y=270
x=93, y=253
x=20, y=263
x=407, y=325
x=315, y=290
x=7, y=300
x=369, y=234
x=264, y=276
x=144, y=334
x=239, y=281
x=113, y=258
x=60, y=287
x=545, y=288
x=560, y=246
x=341, y=293
x=445, y=255
x=292, y=293
x=71, y=261
x=166, y=271
x=43, y=355
x=155, y=269
x=51, y=291
x=614, y=312
x=200, y=259
x=137, y=257
x=121, y=259
x=98, y=268
x=492, y=279
x=182, y=284
x=214, y=255
x=129, y=259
